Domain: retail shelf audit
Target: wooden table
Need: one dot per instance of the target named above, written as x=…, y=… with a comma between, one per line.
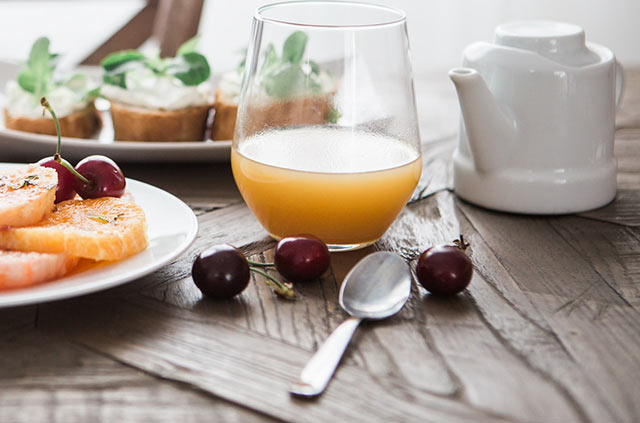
x=549, y=329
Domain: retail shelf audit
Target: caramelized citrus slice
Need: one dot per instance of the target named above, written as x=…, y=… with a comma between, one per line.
x=27, y=194
x=105, y=228
x=18, y=270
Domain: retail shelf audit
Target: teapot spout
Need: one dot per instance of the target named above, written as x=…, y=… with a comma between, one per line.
x=491, y=133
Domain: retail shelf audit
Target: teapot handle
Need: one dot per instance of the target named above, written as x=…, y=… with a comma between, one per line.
x=619, y=82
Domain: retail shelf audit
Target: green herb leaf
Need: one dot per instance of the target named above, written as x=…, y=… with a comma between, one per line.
x=27, y=81
x=91, y=94
x=334, y=115
x=294, y=46
x=288, y=80
x=99, y=218
x=117, y=59
x=35, y=78
x=192, y=70
x=118, y=75
x=188, y=46
x=117, y=79
x=315, y=67
x=157, y=65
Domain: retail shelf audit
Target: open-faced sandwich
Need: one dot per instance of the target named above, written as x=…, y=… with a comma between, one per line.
x=54, y=215
x=72, y=97
x=291, y=91
x=158, y=99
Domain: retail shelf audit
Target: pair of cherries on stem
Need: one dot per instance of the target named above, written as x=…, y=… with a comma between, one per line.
x=222, y=271
x=93, y=177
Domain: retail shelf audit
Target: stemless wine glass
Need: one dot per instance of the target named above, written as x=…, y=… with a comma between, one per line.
x=326, y=140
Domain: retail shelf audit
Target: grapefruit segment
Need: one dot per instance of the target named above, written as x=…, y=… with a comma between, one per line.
x=18, y=269
x=105, y=228
x=27, y=194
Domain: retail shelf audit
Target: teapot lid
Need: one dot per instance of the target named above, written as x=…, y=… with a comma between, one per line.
x=561, y=42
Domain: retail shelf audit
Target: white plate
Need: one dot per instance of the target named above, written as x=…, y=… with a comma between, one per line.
x=19, y=145
x=166, y=242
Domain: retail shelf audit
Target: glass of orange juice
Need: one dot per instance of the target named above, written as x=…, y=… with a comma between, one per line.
x=326, y=139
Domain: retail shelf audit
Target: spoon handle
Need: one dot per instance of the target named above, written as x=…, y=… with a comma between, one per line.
x=316, y=374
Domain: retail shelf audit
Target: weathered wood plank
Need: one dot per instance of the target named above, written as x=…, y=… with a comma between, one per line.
x=204, y=187
x=237, y=365
x=486, y=368
x=598, y=327
x=17, y=320
x=43, y=379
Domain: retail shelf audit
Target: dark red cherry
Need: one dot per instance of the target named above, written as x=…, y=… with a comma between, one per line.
x=107, y=180
x=444, y=270
x=301, y=257
x=221, y=271
x=66, y=180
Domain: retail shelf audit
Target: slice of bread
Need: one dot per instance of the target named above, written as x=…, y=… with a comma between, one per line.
x=138, y=124
x=224, y=120
x=81, y=124
x=304, y=110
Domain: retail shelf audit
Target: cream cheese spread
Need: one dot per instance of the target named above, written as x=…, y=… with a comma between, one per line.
x=154, y=92
x=64, y=100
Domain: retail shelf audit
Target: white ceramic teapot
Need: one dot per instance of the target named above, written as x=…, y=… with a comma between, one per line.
x=538, y=120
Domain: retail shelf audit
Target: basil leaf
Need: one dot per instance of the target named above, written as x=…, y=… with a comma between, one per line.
x=27, y=81
x=91, y=94
x=117, y=79
x=119, y=58
x=192, y=70
x=35, y=78
x=157, y=65
x=315, y=67
x=288, y=80
x=188, y=46
x=294, y=46
x=118, y=75
x=334, y=115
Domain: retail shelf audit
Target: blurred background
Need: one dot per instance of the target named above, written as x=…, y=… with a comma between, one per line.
x=86, y=30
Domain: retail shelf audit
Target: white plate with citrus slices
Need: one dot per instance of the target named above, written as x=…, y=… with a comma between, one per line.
x=171, y=228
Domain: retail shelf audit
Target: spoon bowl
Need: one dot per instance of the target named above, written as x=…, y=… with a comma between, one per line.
x=377, y=287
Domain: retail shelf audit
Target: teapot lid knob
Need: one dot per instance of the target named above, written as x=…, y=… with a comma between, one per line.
x=544, y=37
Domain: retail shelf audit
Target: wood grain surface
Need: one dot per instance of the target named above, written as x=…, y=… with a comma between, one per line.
x=548, y=330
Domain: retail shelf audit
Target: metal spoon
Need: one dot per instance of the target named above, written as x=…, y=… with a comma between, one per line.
x=376, y=288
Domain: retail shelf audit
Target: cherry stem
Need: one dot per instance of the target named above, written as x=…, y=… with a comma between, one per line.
x=461, y=243
x=45, y=103
x=259, y=264
x=70, y=168
x=280, y=288
x=57, y=157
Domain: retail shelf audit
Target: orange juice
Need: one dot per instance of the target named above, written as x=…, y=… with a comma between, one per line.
x=344, y=187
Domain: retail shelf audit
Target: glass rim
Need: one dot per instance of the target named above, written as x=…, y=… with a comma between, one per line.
x=401, y=15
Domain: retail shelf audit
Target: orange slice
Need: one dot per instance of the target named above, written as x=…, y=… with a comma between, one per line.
x=27, y=194
x=18, y=270
x=100, y=229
